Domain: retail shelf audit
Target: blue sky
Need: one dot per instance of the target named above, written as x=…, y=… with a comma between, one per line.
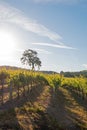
x=56, y=29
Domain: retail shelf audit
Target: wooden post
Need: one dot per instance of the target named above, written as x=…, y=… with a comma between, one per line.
x=2, y=92
x=10, y=91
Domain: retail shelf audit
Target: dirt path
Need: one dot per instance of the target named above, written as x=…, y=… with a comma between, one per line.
x=64, y=107
x=42, y=105
x=67, y=110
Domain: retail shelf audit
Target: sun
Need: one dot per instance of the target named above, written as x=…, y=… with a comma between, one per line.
x=7, y=44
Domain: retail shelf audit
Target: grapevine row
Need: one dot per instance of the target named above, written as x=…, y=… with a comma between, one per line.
x=22, y=81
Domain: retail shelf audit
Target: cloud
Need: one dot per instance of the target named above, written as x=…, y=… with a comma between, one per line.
x=36, y=49
x=15, y=16
x=57, y=1
x=54, y=45
x=12, y=15
x=41, y=51
x=85, y=65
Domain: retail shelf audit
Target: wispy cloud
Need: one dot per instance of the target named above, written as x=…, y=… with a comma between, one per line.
x=54, y=45
x=12, y=15
x=41, y=51
x=85, y=65
x=36, y=49
x=59, y=1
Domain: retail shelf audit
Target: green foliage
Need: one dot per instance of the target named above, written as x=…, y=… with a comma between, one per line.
x=30, y=57
x=23, y=78
x=3, y=76
x=77, y=82
x=74, y=74
x=54, y=80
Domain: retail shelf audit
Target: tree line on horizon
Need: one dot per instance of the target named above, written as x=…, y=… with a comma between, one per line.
x=30, y=58
x=74, y=74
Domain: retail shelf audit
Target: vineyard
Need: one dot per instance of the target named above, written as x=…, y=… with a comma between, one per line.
x=16, y=85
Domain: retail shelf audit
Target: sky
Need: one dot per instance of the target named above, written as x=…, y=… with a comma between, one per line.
x=56, y=29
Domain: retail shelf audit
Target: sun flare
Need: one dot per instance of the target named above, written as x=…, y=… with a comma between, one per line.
x=7, y=44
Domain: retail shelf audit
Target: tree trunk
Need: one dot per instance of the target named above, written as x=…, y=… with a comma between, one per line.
x=33, y=67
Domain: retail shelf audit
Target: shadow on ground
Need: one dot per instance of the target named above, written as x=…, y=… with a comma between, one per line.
x=10, y=110
x=58, y=108
x=50, y=113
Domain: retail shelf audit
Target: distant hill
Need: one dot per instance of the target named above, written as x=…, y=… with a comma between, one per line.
x=74, y=74
x=10, y=67
x=49, y=72
x=66, y=74
x=16, y=68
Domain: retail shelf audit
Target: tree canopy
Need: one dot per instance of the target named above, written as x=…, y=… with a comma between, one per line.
x=30, y=57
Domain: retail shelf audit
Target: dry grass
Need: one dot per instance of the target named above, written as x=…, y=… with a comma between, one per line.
x=46, y=111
